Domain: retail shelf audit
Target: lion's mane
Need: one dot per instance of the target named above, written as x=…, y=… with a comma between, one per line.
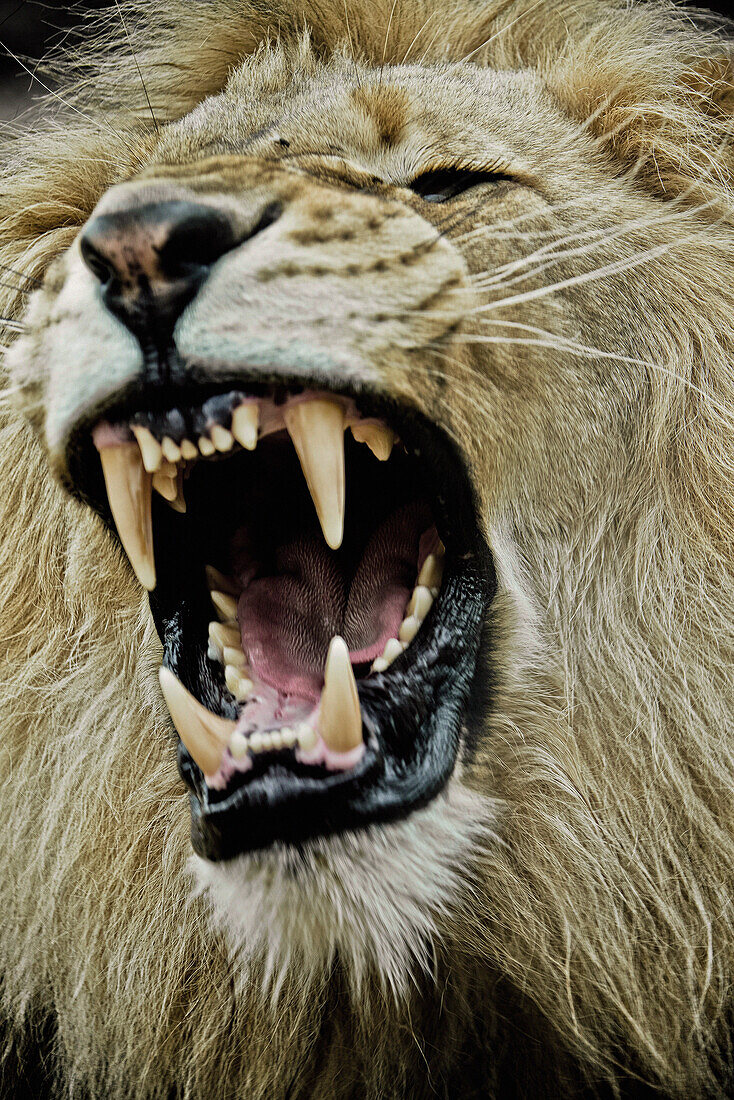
x=594, y=939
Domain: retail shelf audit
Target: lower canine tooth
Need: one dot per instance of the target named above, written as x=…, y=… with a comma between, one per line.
x=316, y=427
x=129, y=491
x=378, y=437
x=420, y=602
x=204, y=734
x=340, y=719
x=245, y=420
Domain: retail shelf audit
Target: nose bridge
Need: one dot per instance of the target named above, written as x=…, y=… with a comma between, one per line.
x=153, y=241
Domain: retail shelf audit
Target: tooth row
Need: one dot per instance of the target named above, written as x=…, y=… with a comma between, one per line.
x=316, y=426
x=207, y=735
x=225, y=643
x=154, y=454
x=303, y=736
x=419, y=604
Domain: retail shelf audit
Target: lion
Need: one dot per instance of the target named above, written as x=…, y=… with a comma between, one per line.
x=299, y=294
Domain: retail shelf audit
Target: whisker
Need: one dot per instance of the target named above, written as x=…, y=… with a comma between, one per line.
x=387, y=37
x=351, y=45
x=603, y=236
x=501, y=31
x=70, y=106
x=416, y=36
x=616, y=267
x=586, y=351
x=14, y=326
x=20, y=275
x=137, y=66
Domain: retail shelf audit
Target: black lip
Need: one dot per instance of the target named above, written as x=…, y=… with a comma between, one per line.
x=412, y=713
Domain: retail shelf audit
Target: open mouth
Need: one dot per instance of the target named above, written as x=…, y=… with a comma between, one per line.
x=319, y=584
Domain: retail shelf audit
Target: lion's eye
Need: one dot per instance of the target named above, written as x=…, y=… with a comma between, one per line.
x=446, y=183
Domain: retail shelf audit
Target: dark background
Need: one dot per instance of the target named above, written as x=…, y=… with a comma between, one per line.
x=29, y=27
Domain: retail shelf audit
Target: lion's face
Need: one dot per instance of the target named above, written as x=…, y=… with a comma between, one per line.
x=407, y=391
x=309, y=327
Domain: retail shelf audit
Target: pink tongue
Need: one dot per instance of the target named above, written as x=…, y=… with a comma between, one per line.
x=288, y=619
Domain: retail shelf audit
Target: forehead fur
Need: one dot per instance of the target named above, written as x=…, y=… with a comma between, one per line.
x=652, y=81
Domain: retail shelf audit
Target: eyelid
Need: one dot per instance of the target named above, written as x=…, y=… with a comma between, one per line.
x=489, y=168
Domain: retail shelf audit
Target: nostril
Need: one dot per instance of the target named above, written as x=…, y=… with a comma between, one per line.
x=197, y=236
x=97, y=263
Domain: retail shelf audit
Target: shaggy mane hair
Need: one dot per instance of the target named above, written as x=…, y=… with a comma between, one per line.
x=605, y=909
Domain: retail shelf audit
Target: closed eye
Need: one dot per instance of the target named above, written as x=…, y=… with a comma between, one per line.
x=443, y=184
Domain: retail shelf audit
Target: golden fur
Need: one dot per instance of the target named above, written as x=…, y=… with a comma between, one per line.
x=565, y=913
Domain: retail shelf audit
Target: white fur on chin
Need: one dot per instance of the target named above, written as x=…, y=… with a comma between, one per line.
x=378, y=896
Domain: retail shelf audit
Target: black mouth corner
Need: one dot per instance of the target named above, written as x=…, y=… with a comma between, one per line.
x=250, y=524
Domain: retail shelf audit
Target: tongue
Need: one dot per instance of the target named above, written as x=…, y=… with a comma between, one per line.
x=290, y=612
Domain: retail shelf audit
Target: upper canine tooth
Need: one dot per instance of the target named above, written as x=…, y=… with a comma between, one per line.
x=204, y=734
x=150, y=448
x=316, y=427
x=129, y=494
x=340, y=719
x=378, y=437
x=245, y=419
x=222, y=438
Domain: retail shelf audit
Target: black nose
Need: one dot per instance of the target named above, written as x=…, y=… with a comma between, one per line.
x=152, y=259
